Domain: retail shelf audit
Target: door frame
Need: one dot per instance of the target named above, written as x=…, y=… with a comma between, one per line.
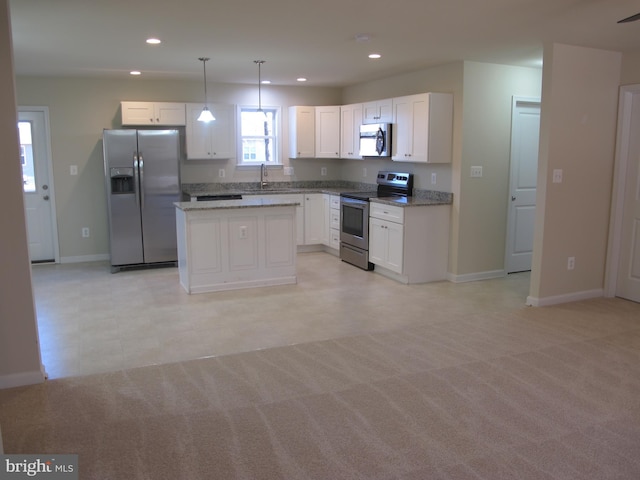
x=52, y=196
x=514, y=105
x=623, y=138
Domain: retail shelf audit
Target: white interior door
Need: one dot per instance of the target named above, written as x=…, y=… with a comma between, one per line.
x=628, y=281
x=37, y=186
x=525, y=133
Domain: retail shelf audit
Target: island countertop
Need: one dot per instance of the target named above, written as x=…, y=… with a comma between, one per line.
x=247, y=202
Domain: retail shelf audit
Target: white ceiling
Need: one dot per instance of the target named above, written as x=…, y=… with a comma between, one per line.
x=314, y=39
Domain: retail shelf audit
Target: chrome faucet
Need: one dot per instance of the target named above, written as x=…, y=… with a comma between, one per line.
x=263, y=174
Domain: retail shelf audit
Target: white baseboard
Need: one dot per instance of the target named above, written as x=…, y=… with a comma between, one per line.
x=86, y=258
x=566, y=298
x=22, y=379
x=472, y=277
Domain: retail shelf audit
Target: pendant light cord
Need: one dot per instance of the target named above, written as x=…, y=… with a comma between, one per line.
x=259, y=62
x=204, y=68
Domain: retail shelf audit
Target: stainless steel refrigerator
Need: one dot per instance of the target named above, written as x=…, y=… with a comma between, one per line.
x=142, y=172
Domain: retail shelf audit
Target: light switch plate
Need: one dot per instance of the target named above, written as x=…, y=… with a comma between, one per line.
x=73, y=170
x=476, y=172
x=288, y=171
x=557, y=176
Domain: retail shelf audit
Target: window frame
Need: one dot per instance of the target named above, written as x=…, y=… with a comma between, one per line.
x=276, y=136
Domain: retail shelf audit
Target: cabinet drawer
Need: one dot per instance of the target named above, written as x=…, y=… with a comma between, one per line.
x=335, y=219
x=387, y=212
x=334, y=240
x=335, y=201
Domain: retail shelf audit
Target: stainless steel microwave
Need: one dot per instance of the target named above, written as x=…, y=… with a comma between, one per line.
x=375, y=140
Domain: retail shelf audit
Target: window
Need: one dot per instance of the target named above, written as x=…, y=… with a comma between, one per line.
x=26, y=157
x=258, y=136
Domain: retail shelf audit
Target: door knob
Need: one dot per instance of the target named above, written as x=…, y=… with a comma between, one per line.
x=46, y=197
x=45, y=187
x=513, y=199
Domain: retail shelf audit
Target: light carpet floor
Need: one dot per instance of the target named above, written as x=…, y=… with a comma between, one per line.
x=520, y=393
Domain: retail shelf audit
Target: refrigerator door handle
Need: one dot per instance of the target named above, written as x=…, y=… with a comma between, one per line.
x=141, y=169
x=136, y=179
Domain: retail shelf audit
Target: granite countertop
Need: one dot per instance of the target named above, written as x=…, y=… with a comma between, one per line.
x=419, y=198
x=250, y=188
x=227, y=204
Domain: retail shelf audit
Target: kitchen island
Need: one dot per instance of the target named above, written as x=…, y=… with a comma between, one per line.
x=233, y=244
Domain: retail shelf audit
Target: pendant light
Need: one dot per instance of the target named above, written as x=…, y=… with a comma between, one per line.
x=206, y=115
x=259, y=63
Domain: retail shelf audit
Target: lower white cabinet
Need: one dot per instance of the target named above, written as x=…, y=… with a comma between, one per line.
x=314, y=219
x=295, y=197
x=409, y=244
x=333, y=216
x=386, y=244
x=226, y=249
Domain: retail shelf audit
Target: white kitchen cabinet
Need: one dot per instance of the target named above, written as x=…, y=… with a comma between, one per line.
x=226, y=249
x=379, y=111
x=314, y=219
x=302, y=132
x=386, y=235
x=409, y=244
x=295, y=197
x=350, y=121
x=423, y=128
x=327, y=141
x=153, y=113
x=334, y=222
x=211, y=140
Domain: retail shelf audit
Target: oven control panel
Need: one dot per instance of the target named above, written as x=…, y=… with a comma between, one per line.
x=396, y=179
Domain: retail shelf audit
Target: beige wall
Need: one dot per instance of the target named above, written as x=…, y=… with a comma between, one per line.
x=19, y=350
x=479, y=246
x=578, y=130
x=630, y=69
x=80, y=108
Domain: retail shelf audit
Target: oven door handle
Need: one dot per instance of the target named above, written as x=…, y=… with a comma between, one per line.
x=355, y=203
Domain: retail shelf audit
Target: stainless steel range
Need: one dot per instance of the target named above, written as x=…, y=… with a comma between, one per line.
x=354, y=216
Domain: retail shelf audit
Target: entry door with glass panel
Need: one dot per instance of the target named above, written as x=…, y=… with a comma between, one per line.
x=36, y=185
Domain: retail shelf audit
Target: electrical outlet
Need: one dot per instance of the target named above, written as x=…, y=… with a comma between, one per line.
x=288, y=171
x=557, y=176
x=85, y=232
x=476, y=172
x=571, y=263
x=323, y=171
x=221, y=173
x=243, y=232
x=434, y=178
x=73, y=169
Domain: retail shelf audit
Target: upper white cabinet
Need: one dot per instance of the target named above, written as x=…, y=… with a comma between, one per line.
x=214, y=139
x=423, y=128
x=327, y=132
x=380, y=111
x=350, y=121
x=153, y=113
x=302, y=132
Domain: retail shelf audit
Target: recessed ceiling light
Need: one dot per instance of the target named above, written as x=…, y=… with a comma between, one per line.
x=153, y=41
x=362, y=37
x=374, y=55
x=135, y=72
x=301, y=79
